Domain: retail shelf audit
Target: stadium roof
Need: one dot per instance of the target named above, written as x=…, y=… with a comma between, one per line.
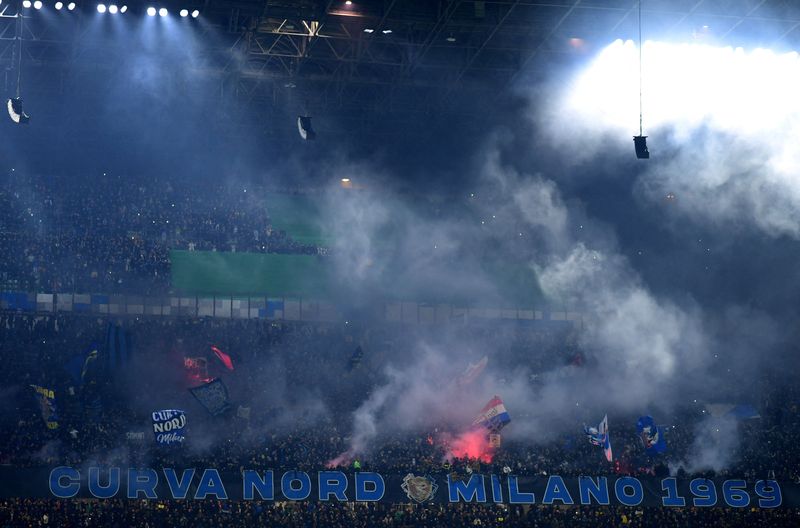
x=408, y=57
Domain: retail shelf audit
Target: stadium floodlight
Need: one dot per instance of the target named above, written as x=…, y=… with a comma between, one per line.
x=195, y=13
x=101, y=8
x=387, y=32
x=37, y=4
x=163, y=12
x=16, y=113
x=151, y=11
x=184, y=13
x=304, y=127
x=113, y=9
x=369, y=30
x=123, y=9
x=59, y=5
x=26, y=4
x=71, y=6
x=640, y=144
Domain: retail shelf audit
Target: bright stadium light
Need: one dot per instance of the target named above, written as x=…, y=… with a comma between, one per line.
x=37, y=4
x=101, y=8
x=163, y=12
x=123, y=9
x=151, y=11
x=690, y=85
x=113, y=9
x=195, y=13
x=59, y=5
x=184, y=13
x=26, y=4
x=71, y=6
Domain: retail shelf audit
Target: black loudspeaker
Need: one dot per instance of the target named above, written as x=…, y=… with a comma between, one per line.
x=16, y=113
x=640, y=143
x=304, y=127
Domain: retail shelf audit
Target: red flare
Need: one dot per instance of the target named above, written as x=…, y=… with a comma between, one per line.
x=225, y=358
x=473, y=445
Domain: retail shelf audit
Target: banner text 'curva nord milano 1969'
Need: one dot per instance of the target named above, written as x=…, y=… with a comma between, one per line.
x=166, y=483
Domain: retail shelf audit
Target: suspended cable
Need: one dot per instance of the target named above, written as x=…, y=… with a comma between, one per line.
x=640, y=67
x=20, y=21
x=15, y=104
x=640, y=141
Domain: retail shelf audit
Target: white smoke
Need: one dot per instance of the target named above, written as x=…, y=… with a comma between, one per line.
x=714, y=446
x=646, y=348
x=723, y=125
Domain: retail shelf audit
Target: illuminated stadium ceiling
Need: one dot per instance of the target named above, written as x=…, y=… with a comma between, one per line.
x=403, y=56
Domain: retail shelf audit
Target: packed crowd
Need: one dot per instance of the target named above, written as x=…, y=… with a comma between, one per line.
x=211, y=514
x=290, y=423
x=114, y=234
x=293, y=425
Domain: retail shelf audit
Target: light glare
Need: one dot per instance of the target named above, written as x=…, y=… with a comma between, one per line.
x=692, y=85
x=123, y=9
x=101, y=8
x=151, y=11
x=184, y=13
x=26, y=4
x=71, y=6
x=37, y=4
x=195, y=13
x=59, y=5
x=163, y=12
x=113, y=9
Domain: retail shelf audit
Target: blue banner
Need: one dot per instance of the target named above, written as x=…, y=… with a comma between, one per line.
x=422, y=488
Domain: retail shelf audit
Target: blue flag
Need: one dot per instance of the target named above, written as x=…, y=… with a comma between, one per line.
x=117, y=343
x=355, y=358
x=600, y=436
x=76, y=366
x=652, y=435
x=169, y=426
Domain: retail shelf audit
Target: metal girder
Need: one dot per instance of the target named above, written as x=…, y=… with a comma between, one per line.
x=282, y=52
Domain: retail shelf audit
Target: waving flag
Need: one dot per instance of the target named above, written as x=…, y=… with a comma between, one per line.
x=225, y=358
x=472, y=372
x=77, y=367
x=169, y=426
x=355, y=359
x=730, y=410
x=652, y=435
x=493, y=416
x=599, y=436
x=213, y=396
x=47, y=405
x=118, y=340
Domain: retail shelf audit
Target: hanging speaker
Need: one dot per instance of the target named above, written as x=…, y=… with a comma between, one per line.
x=640, y=143
x=304, y=127
x=16, y=113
